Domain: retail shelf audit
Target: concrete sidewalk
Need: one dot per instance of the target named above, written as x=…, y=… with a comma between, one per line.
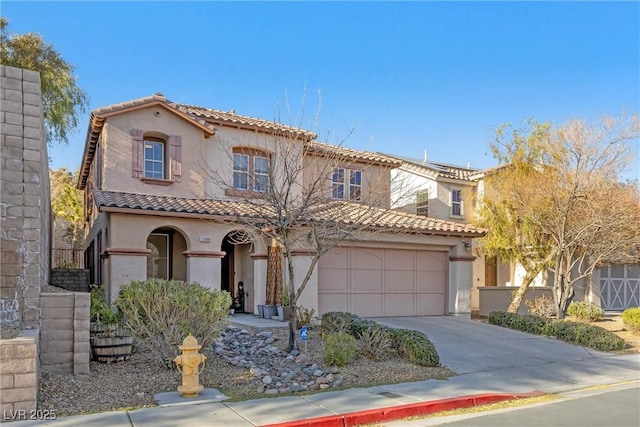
x=550, y=378
x=488, y=359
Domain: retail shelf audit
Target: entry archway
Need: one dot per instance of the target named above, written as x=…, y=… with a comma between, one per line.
x=236, y=267
x=166, y=260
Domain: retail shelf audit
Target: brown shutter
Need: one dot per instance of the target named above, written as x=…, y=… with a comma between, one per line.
x=137, y=153
x=175, y=153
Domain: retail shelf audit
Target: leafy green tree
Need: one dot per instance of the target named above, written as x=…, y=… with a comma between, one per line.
x=67, y=202
x=62, y=100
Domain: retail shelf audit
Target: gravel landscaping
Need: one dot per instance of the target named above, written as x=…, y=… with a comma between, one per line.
x=246, y=363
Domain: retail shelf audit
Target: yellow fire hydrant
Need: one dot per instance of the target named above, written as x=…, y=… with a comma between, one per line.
x=188, y=364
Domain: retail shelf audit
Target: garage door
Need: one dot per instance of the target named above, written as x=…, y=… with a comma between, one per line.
x=382, y=282
x=620, y=286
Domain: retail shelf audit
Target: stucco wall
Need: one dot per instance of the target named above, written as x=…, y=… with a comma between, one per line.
x=25, y=203
x=498, y=298
x=117, y=152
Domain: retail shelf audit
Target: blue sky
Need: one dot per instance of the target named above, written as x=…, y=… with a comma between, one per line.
x=407, y=76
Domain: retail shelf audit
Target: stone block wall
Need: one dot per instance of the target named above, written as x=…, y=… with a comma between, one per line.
x=64, y=334
x=72, y=280
x=19, y=372
x=25, y=208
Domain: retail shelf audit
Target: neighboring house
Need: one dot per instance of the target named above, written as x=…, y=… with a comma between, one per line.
x=444, y=191
x=152, y=211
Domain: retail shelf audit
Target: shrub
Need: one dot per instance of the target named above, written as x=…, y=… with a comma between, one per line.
x=376, y=343
x=497, y=317
x=339, y=348
x=585, y=311
x=358, y=326
x=337, y=321
x=416, y=347
x=107, y=319
x=164, y=312
x=631, y=318
x=584, y=334
x=542, y=306
x=304, y=317
x=527, y=323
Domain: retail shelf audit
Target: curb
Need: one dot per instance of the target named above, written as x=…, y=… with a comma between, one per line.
x=402, y=411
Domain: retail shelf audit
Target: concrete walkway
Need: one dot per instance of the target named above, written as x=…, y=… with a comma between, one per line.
x=489, y=359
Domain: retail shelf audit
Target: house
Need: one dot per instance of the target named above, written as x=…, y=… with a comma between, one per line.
x=445, y=191
x=154, y=209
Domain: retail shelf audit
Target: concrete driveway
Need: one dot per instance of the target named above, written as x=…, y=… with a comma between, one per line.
x=489, y=352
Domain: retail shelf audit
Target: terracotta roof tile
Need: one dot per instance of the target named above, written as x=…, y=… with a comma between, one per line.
x=350, y=154
x=231, y=118
x=344, y=212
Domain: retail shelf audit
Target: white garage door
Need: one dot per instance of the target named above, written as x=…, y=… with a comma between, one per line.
x=382, y=282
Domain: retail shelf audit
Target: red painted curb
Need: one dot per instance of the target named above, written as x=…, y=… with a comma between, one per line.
x=402, y=411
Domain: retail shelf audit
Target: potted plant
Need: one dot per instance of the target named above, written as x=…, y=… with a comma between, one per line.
x=110, y=342
x=284, y=309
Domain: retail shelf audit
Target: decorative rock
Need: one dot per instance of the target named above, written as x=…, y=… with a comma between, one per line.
x=274, y=370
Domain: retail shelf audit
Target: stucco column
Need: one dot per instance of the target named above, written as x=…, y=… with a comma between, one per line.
x=125, y=265
x=204, y=267
x=301, y=261
x=594, y=289
x=460, y=282
x=259, y=280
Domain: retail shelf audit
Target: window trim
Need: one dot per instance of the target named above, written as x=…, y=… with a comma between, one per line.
x=424, y=204
x=251, y=154
x=345, y=184
x=153, y=141
x=459, y=202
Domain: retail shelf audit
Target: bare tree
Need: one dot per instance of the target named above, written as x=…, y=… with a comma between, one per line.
x=563, y=200
x=303, y=199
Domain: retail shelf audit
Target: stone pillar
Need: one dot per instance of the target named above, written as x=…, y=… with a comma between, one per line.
x=259, y=280
x=204, y=267
x=301, y=261
x=24, y=205
x=460, y=281
x=125, y=266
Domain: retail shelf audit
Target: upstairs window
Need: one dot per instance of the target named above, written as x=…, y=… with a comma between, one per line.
x=355, y=184
x=343, y=179
x=240, y=171
x=251, y=170
x=156, y=158
x=260, y=173
x=337, y=184
x=422, y=202
x=456, y=202
x=154, y=163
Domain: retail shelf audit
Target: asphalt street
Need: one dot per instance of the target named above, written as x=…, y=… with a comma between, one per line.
x=617, y=406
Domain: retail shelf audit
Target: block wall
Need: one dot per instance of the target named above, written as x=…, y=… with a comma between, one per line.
x=25, y=210
x=19, y=372
x=64, y=334
x=73, y=280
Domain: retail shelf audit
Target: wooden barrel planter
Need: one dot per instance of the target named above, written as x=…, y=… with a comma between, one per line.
x=111, y=349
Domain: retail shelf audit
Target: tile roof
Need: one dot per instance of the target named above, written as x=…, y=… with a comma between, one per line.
x=351, y=155
x=344, y=212
x=438, y=169
x=233, y=119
